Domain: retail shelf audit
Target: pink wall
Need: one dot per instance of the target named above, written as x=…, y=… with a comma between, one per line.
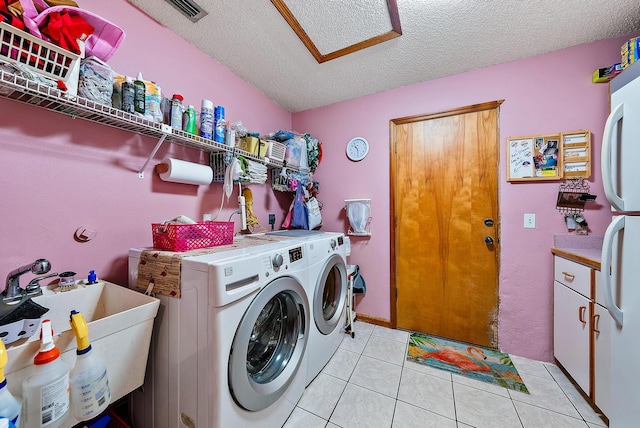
x=58, y=173
x=543, y=94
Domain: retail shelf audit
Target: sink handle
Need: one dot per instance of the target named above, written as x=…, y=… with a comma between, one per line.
x=34, y=284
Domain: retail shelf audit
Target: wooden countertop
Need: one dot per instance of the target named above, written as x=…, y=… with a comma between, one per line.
x=587, y=256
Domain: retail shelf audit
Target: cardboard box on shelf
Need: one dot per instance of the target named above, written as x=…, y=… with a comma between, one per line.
x=630, y=52
x=603, y=75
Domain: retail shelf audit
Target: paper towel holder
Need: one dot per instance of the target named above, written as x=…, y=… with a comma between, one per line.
x=359, y=216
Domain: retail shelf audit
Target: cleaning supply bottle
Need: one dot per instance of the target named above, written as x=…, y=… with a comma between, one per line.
x=206, y=120
x=90, y=393
x=45, y=392
x=128, y=95
x=220, y=124
x=176, y=111
x=189, y=120
x=139, y=97
x=10, y=406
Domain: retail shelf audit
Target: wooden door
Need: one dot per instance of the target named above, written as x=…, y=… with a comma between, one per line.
x=444, y=274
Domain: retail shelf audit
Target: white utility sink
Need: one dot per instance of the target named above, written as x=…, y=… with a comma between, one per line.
x=120, y=323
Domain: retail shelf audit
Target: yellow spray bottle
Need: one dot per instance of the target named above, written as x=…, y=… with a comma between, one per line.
x=90, y=393
x=10, y=406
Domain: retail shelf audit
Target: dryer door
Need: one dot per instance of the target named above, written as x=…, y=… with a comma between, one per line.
x=269, y=344
x=330, y=295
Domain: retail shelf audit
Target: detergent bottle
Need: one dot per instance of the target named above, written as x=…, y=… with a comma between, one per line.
x=10, y=406
x=90, y=393
x=45, y=392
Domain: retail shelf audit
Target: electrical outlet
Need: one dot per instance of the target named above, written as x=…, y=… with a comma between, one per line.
x=206, y=217
x=529, y=221
x=272, y=219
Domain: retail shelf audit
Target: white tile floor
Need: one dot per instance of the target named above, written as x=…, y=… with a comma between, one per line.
x=368, y=383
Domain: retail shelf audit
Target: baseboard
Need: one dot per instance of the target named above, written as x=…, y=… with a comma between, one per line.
x=373, y=320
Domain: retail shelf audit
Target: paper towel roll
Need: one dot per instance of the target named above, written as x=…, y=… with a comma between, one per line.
x=186, y=172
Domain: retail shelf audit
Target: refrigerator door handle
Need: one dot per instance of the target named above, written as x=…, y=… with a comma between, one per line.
x=606, y=162
x=608, y=272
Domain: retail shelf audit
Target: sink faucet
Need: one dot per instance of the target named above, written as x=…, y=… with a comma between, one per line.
x=13, y=290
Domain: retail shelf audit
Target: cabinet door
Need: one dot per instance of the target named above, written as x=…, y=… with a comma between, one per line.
x=602, y=323
x=571, y=333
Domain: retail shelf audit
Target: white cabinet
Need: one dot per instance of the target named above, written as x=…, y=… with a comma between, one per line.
x=581, y=326
x=601, y=334
x=571, y=333
x=602, y=325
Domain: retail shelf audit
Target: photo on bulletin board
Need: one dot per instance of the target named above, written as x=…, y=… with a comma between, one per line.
x=534, y=158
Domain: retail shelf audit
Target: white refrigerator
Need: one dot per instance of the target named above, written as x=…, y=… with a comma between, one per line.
x=621, y=247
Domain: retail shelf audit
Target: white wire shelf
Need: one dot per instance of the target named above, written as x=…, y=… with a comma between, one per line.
x=30, y=92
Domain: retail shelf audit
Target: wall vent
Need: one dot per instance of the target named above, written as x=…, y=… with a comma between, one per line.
x=189, y=8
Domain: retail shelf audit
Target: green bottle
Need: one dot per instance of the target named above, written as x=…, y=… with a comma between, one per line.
x=139, y=95
x=189, y=120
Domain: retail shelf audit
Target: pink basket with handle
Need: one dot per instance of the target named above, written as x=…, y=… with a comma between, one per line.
x=185, y=237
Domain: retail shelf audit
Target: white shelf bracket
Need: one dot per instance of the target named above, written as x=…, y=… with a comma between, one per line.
x=166, y=130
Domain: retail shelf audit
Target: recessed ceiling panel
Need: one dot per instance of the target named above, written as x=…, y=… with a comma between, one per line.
x=337, y=24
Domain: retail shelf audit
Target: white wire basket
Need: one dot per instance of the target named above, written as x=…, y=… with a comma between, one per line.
x=40, y=56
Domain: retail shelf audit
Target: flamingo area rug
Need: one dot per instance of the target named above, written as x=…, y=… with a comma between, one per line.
x=475, y=362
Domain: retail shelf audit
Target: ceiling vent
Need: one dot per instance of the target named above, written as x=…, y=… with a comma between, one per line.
x=189, y=9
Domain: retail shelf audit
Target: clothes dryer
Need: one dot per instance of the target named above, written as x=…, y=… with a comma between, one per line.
x=327, y=291
x=231, y=351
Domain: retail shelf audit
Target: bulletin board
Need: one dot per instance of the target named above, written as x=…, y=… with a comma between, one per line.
x=549, y=157
x=537, y=157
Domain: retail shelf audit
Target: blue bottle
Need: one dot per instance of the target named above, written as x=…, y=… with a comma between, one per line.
x=220, y=124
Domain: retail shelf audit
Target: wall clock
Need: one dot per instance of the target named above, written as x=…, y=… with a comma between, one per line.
x=357, y=149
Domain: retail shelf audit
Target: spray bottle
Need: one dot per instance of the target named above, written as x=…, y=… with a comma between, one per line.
x=139, y=95
x=128, y=95
x=90, y=393
x=10, y=406
x=46, y=392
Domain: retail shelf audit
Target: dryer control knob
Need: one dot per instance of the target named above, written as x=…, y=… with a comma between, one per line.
x=333, y=244
x=277, y=260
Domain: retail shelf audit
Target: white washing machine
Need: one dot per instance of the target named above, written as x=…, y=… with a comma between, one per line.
x=327, y=291
x=231, y=351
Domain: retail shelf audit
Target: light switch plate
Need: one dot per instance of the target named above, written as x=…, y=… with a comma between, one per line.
x=529, y=221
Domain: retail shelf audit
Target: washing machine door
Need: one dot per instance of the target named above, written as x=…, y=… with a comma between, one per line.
x=330, y=295
x=269, y=344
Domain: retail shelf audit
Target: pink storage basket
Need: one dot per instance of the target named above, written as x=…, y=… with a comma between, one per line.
x=185, y=237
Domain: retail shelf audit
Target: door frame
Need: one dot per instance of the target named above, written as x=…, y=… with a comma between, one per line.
x=473, y=108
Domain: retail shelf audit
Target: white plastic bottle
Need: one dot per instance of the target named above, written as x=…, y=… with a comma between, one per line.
x=90, y=392
x=10, y=406
x=45, y=393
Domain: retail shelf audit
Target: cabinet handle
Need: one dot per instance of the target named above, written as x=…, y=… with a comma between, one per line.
x=568, y=275
x=596, y=319
x=581, y=311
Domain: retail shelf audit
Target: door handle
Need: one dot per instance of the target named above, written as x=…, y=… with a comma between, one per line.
x=488, y=240
x=614, y=228
x=581, y=311
x=596, y=320
x=614, y=199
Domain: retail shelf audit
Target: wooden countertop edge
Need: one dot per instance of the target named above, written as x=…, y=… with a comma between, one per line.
x=568, y=254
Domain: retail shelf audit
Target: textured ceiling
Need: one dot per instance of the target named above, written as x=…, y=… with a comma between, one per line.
x=439, y=38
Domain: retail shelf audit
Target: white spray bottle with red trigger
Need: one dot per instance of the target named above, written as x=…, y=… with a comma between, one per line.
x=45, y=393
